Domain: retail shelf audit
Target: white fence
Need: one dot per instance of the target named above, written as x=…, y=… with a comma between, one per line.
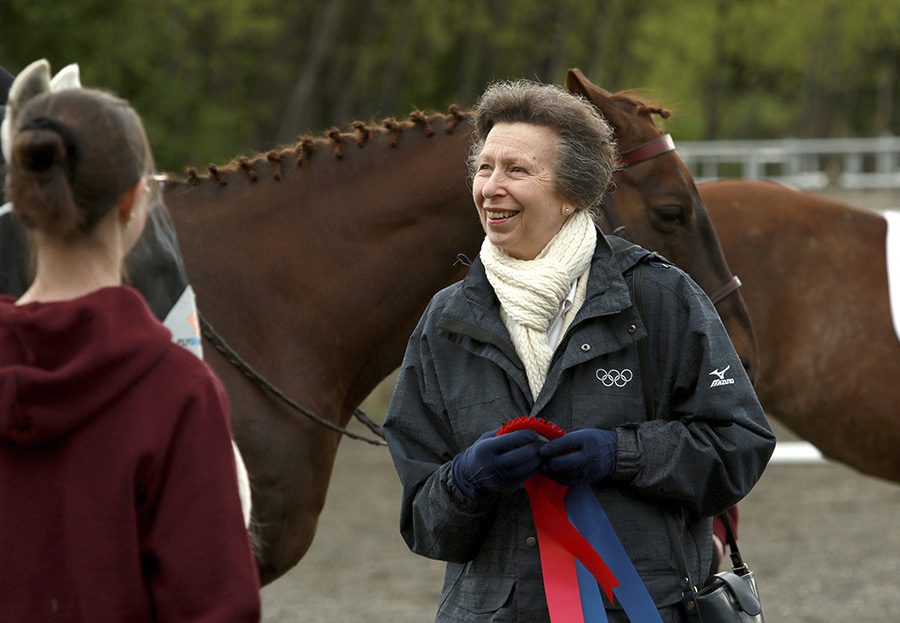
x=808, y=164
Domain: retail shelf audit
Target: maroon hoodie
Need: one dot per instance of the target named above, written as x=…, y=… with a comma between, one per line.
x=118, y=491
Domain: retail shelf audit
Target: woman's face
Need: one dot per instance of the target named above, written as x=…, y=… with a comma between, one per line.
x=515, y=190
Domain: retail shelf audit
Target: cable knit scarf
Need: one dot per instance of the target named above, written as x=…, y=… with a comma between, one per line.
x=531, y=291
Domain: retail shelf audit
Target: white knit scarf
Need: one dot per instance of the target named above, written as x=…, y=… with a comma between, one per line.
x=531, y=291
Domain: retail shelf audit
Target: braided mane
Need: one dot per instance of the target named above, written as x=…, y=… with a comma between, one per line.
x=642, y=106
x=299, y=153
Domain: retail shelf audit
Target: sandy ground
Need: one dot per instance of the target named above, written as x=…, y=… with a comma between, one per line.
x=823, y=540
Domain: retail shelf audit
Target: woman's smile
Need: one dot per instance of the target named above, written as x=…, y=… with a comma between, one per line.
x=496, y=217
x=515, y=191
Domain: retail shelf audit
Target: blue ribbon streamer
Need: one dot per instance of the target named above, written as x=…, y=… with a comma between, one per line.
x=588, y=517
x=592, y=608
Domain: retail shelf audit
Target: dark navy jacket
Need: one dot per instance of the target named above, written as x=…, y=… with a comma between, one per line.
x=461, y=377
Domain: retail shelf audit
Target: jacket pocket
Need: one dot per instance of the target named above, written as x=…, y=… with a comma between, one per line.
x=471, y=420
x=606, y=409
x=484, y=594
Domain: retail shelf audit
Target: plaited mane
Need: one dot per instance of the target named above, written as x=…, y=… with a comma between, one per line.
x=299, y=154
x=641, y=106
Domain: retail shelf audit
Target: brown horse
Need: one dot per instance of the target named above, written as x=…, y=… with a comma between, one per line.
x=815, y=283
x=314, y=263
x=661, y=208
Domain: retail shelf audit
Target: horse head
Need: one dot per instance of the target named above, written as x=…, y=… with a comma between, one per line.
x=655, y=199
x=29, y=83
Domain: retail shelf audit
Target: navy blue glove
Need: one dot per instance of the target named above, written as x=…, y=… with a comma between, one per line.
x=582, y=456
x=498, y=463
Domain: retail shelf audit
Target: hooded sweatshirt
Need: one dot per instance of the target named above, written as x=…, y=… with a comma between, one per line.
x=118, y=491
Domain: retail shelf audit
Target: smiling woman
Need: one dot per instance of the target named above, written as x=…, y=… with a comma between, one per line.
x=544, y=307
x=514, y=188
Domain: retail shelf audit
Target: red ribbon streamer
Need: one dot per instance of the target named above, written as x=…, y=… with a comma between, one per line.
x=560, y=543
x=549, y=511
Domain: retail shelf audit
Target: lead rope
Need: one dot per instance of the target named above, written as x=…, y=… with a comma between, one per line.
x=220, y=345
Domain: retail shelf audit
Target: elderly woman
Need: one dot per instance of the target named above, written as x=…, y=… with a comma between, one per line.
x=544, y=325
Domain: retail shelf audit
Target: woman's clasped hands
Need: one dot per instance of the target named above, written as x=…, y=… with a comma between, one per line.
x=498, y=463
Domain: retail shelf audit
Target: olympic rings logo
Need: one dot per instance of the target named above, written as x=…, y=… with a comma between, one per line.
x=614, y=377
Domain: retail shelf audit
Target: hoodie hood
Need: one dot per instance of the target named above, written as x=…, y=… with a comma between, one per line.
x=63, y=363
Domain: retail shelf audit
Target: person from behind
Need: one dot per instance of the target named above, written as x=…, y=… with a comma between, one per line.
x=118, y=481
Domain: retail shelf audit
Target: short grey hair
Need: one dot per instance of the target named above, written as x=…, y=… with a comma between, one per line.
x=587, y=149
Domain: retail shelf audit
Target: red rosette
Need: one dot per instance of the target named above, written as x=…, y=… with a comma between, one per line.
x=547, y=430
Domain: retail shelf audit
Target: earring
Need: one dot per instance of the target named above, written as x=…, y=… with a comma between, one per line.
x=568, y=210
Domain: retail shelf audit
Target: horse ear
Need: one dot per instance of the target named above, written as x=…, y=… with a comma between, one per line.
x=577, y=83
x=30, y=82
x=69, y=77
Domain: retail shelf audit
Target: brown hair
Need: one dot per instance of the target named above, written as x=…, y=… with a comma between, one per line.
x=587, y=155
x=75, y=153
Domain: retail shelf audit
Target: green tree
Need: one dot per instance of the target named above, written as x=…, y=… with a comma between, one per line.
x=216, y=80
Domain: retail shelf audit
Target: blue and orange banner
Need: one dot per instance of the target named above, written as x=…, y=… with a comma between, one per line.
x=580, y=552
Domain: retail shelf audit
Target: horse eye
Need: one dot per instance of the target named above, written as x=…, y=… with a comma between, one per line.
x=669, y=216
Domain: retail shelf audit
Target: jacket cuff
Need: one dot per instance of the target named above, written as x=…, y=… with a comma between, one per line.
x=628, y=454
x=462, y=501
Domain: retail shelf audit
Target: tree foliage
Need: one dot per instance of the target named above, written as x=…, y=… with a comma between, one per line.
x=214, y=80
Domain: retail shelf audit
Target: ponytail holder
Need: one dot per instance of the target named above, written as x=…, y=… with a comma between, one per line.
x=70, y=140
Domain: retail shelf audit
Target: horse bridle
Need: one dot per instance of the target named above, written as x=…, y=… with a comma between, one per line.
x=657, y=147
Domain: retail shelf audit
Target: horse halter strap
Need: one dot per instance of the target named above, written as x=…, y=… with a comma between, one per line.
x=729, y=287
x=657, y=147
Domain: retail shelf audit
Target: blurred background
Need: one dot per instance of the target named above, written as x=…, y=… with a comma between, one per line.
x=215, y=80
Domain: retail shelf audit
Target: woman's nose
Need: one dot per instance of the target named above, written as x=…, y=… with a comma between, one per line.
x=492, y=186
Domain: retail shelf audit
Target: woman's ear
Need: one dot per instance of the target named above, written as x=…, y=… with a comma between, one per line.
x=129, y=202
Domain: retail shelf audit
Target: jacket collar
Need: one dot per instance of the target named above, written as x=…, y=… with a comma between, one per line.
x=475, y=302
x=473, y=309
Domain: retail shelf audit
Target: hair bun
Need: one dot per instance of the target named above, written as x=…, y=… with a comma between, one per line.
x=44, y=154
x=40, y=152
x=45, y=168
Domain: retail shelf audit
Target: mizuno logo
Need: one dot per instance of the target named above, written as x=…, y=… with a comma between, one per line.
x=721, y=380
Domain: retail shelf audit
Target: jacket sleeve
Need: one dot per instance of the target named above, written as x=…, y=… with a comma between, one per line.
x=710, y=441
x=437, y=520
x=196, y=550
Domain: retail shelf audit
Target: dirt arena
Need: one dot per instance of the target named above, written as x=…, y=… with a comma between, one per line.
x=823, y=540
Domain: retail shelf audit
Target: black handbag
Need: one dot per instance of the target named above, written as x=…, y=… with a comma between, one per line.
x=727, y=597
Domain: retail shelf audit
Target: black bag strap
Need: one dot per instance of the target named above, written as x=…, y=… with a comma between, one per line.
x=737, y=563
x=644, y=343
x=647, y=383
x=688, y=591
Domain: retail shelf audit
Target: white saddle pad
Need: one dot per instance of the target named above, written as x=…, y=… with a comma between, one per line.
x=893, y=265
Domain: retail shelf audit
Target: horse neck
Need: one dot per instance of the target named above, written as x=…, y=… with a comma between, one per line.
x=323, y=273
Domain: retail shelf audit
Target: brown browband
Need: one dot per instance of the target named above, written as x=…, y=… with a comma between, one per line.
x=646, y=151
